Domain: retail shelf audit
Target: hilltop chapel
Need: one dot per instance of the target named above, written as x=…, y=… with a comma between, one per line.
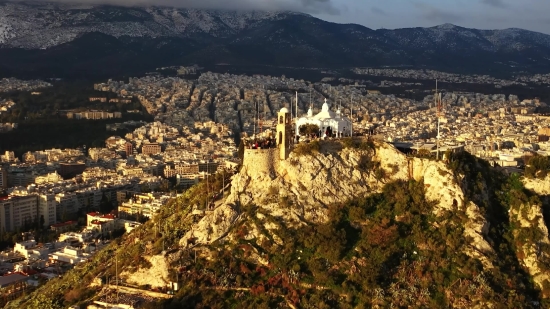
x=327, y=120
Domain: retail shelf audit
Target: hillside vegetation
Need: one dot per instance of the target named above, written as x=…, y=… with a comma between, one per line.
x=389, y=244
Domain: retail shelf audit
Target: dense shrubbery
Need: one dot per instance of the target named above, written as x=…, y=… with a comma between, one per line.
x=358, y=143
x=497, y=194
x=41, y=125
x=308, y=129
x=537, y=167
x=62, y=96
x=307, y=149
x=387, y=250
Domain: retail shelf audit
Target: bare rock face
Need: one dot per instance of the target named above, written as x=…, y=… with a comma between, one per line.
x=156, y=276
x=300, y=188
x=213, y=226
x=530, y=216
x=539, y=186
x=525, y=218
x=441, y=186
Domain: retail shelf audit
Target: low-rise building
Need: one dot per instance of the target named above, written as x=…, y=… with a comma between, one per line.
x=31, y=249
x=70, y=255
x=64, y=226
x=101, y=223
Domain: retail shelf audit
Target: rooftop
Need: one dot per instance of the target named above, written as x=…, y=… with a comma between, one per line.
x=12, y=279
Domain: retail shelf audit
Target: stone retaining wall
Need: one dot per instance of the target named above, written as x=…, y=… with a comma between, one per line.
x=261, y=160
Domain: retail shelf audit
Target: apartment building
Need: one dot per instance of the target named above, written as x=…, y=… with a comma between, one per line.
x=146, y=204
x=8, y=156
x=129, y=149
x=94, y=115
x=69, y=170
x=152, y=148
x=3, y=178
x=187, y=169
x=15, y=211
x=66, y=205
x=23, y=178
x=47, y=207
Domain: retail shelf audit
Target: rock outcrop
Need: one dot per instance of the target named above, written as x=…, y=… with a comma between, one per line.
x=299, y=189
x=530, y=217
x=156, y=276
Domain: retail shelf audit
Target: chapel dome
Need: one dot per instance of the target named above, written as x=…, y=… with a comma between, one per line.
x=325, y=107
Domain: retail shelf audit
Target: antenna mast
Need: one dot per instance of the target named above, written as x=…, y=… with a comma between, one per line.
x=260, y=122
x=296, y=104
x=255, y=106
x=438, y=104
x=351, y=120
x=290, y=105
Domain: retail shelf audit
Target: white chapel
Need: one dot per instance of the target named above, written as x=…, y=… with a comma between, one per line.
x=339, y=124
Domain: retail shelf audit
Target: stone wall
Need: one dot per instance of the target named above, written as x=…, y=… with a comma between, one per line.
x=261, y=160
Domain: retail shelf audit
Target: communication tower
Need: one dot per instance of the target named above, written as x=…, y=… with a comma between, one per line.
x=439, y=115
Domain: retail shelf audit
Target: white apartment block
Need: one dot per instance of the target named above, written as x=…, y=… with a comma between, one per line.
x=15, y=211
x=47, y=209
x=67, y=204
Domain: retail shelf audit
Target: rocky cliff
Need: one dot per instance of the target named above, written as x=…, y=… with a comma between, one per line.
x=339, y=224
x=534, y=240
x=300, y=189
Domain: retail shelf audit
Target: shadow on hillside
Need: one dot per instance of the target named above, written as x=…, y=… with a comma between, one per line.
x=546, y=209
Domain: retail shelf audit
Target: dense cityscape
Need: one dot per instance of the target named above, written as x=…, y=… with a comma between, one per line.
x=81, y=198
x=313, y=154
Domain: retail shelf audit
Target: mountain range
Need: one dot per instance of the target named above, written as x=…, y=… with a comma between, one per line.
x=40, y=38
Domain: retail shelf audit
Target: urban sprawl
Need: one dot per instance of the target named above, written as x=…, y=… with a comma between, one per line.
x=194, y=134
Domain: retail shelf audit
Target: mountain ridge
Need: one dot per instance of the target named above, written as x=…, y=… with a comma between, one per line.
x=170, y=36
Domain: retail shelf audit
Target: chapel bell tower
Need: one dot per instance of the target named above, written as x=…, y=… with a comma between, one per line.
x=283, y=129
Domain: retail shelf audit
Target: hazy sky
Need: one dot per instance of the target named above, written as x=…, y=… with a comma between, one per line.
x=484, y=14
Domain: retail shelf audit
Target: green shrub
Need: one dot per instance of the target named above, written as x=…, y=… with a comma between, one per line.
x=358, y=143
x=273, y=190
x=537, y=166
x=307, y=149
x=309, y=129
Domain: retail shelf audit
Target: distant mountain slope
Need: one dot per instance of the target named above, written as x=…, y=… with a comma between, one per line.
x=34, y=33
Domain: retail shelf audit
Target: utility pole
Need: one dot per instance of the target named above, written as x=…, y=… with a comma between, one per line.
x=254, y=120
x=351, y=120
x=438, y=106
x=296, y=104
x=207, y=188
x=116, y=276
